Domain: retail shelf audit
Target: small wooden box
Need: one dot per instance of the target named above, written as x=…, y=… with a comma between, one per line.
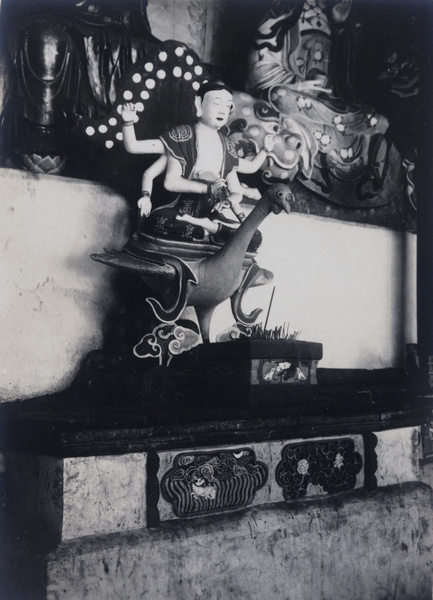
x=247, y=373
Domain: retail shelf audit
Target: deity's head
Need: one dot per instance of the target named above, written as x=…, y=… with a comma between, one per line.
x=213, y=102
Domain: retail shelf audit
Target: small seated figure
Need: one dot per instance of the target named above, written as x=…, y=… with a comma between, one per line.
x=201, y=165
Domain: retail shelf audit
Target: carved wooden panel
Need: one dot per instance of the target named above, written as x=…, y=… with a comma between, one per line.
x=204, y=482
x=329, y=465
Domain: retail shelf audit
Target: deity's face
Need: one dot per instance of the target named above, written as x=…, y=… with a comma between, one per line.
x=214, y=109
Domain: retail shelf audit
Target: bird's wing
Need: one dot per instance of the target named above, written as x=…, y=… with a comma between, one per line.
x=138, y=266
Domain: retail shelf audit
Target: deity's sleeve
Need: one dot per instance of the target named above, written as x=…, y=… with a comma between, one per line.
x=268, y=68
x=231, y=157
x=180, y=143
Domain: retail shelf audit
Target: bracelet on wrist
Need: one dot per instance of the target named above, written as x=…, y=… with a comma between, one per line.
x=145, y=193
x=264, y=150
x=127, y=123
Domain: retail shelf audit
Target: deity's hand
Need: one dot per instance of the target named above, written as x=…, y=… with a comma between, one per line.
x=252, y=193
x=269, y=142
x=235, y=199
x=310, y=86
x=220, y=206
x=128, y=112
x=217, y=186
x=145, y=206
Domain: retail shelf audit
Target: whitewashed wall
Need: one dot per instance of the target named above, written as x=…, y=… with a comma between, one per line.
x=350, y=287
x=53, y=298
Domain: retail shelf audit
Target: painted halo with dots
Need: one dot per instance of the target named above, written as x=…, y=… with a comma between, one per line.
x=171, y=73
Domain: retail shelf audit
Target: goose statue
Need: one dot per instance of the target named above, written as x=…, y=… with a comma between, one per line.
x=204, y=283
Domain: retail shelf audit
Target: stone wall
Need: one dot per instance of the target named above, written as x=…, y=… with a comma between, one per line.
x=358, y=545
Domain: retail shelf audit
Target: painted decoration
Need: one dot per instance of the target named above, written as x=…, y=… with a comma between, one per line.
x=278, y=371
x=206, y=482
x=165, y=342
x=346, y=155
x=162, y=86
x=329, y=466
x=254, y=118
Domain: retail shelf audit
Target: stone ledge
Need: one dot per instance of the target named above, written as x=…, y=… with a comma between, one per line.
x=77, y=423
x=46, y=497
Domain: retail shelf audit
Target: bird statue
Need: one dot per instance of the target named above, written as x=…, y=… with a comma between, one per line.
x=206, y=283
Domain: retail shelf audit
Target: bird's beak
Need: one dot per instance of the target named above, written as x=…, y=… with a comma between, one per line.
x=282, y=205
x=287, y=200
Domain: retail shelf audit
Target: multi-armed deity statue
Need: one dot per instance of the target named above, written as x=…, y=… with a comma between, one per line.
x=191, y=244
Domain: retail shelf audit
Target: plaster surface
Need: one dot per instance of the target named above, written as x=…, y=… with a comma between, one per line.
x=193, y=21
x=103, y=494
x=54, y=297
x=359, y=545
x=61, y=499
x=398, y=453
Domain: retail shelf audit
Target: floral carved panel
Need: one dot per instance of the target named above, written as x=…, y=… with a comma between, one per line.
x=308, y=468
